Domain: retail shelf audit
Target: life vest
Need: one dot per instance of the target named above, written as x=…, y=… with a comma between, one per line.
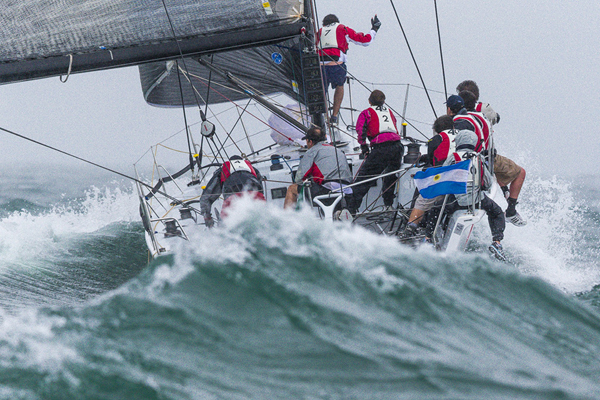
x=481, y=178
x=230, y=167
x=486, y=128
x=476, y=128
x=446, y=147
x=328, y=38
x=381, y=121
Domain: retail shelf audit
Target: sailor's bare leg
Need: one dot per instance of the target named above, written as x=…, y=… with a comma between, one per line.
x=291, y=196
x=415, y=216
x=338, y=96
x=517, y=184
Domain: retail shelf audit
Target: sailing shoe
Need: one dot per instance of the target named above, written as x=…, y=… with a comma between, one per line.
x=333, y=119
x=409, y=232
x=497, y=251
x=516, y=219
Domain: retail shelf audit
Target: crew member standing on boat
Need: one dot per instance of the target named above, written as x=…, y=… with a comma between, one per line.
x=235, y=178
x=378, y=125
x=509, y=175
x=324, y=164
x=332, y=45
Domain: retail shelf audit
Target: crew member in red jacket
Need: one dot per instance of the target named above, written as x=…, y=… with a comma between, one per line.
x=510, y=175
x=439, y=147
x=235, y=178
x=332, y=44
x=378, y=124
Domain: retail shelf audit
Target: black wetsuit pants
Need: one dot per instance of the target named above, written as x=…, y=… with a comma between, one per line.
x=493, y=211
x=385, y=156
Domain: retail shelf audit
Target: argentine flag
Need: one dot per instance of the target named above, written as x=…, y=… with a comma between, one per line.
x=451, y=179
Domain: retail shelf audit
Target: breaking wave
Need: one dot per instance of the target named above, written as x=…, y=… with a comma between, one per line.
x=278, y=305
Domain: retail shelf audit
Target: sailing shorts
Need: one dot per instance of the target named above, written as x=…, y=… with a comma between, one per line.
x=505, y=169
x=334, y=75
x=424, y=204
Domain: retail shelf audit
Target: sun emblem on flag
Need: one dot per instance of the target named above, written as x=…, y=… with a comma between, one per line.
x=437, y=177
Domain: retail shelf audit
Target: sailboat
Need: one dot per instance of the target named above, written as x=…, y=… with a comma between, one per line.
x=255, y=56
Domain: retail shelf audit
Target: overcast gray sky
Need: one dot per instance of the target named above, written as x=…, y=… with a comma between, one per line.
x=536, y=63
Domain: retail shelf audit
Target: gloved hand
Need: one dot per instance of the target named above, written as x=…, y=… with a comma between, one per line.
x=208, y=221
x=364, y=149
x=375, y=23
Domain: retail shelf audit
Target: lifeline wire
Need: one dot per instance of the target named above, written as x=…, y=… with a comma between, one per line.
x=90, y=162
x=413, y=57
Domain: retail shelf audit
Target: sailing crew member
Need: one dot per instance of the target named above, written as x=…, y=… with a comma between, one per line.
x=439, y=147
x=455, y=107
x=235, y=178
x=483, y=108
x=325, y=165
x=486, y=127
x=466, y=141
x=509, y=175
x=377, y=124
x=332, y=45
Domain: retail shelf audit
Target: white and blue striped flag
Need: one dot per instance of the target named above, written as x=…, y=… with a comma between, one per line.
x=438, y=181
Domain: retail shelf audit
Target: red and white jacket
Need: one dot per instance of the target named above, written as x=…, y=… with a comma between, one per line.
x=441, y=146
x=464, y=120
x=229, y=167
x=378, y=124
x=486, y=127
x=332, y=42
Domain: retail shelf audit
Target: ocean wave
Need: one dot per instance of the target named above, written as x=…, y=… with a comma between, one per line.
x=278, y=305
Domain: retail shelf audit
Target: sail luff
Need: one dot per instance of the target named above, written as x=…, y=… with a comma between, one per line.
x=114, y=58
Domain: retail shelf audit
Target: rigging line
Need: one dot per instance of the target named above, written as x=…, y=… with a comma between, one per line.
x=90, y=162
x=237, y=90
x=208, y=89
x=212, y=138
x=400, y=84
x=187, y=129
x=244, y=126
x=389, y=106
x=247, y=112
x=413, y=58
x=187, y=76
x=230, y=132
x=437, y=21
x=179, y=48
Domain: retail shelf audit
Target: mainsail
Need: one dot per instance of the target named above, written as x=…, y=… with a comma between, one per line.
x=266, y=69
x=42, y=38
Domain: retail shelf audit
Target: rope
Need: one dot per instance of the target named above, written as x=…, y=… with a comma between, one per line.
x=69, y=70
x=413, y=57
x=437, y=21
x=89, y=162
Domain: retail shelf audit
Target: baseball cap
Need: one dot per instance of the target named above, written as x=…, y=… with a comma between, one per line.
x=455, y=102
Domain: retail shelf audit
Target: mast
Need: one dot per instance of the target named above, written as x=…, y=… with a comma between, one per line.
x=312, y=73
